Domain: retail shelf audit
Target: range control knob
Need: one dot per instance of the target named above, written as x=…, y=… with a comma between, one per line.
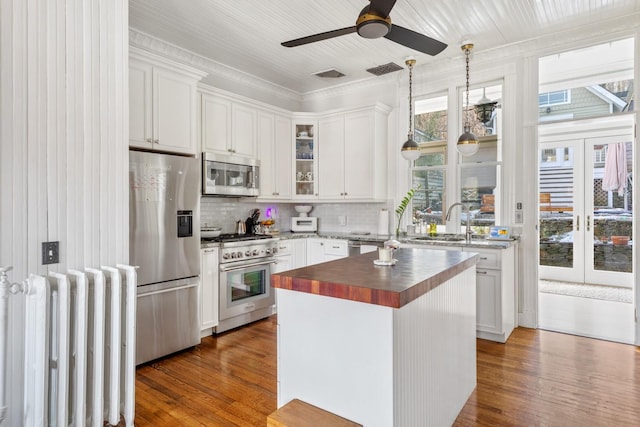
x=233, y=254
x=255, y=252
x=268, y=251
x=225, y=256
x=248, y=253
x=274, y=251
x=239, y=254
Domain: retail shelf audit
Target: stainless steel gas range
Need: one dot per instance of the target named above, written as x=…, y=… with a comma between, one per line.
x=245, y=278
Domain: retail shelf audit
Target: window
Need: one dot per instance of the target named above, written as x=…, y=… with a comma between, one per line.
x=590, y=82
x=554, y=98
x=429, y=176
x=429, y=170
x=479, y=179
x=599, y=154
x=430, y=120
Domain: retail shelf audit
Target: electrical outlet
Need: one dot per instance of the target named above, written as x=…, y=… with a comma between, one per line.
x=519, y=219
x=342, y=220
x=50, y=253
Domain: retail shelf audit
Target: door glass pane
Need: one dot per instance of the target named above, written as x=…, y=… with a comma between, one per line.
x=556, y=207
x=612, y=187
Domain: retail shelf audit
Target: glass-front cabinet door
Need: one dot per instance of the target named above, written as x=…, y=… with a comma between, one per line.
x=305, y=160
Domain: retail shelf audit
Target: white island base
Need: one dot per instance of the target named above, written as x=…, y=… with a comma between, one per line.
x=377, y=365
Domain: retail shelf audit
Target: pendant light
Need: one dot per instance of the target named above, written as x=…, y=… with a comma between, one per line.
x=467, y=143
x=410, y=149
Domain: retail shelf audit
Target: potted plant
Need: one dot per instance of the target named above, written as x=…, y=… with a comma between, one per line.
x=403, y=206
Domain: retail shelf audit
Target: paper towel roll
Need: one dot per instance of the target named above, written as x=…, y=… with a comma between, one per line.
x=383, y=222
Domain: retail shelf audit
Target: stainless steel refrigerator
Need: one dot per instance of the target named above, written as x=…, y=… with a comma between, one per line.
x=164, y=241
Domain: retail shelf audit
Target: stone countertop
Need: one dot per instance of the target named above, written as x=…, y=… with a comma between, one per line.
x=357, y=278
x=414, y=240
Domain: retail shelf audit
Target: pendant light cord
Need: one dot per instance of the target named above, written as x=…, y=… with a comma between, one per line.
x=410, y=63
x=466, y=122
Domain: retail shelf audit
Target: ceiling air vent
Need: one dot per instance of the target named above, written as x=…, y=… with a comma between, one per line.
x=329, y=74
x=384, y=69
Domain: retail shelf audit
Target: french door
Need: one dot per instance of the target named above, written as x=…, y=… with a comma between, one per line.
x=585, y=210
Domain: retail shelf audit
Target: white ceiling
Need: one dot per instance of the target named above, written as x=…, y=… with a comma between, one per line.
x=246, y=34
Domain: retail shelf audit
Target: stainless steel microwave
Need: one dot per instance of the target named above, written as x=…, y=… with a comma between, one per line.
x=230, y=175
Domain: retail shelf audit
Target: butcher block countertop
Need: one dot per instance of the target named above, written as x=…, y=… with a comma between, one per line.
x=357, y=278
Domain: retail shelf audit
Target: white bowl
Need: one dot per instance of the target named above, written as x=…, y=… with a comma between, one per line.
x=210, y=232
x=303, y=210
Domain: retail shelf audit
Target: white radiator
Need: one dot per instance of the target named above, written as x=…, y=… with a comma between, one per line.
x=79, y=367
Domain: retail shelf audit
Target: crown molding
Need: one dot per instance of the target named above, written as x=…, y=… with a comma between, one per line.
x=217, y=71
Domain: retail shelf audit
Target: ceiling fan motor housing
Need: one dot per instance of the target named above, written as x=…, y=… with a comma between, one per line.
x=371, y=26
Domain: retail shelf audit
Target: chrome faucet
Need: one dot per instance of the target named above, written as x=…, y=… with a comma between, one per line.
x=466, y=209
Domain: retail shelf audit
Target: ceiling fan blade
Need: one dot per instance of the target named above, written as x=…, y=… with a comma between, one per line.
x=319, y=37
x=415, y=41
x=381, y=7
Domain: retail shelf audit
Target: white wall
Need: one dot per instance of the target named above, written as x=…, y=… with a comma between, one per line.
x=63, y=151
x=224, y=212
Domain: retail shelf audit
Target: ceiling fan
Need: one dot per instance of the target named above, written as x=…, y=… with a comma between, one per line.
x=374, y=22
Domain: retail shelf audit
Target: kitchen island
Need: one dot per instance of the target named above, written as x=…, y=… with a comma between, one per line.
x=380, y=345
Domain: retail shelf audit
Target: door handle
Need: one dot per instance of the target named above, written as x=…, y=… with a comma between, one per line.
x=588, y=222
x=578, y=223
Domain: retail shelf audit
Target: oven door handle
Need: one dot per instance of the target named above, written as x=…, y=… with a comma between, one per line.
x=245, y=264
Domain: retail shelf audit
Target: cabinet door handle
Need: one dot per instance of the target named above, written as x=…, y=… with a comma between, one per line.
x=208, y=251
x=578, y=223
x=588, y=222
x=157, y=141
x=149, y=140
x=484, y=258
x=481, y=272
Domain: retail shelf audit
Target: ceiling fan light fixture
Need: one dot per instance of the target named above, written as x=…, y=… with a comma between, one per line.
x=372, y=26
x=374, y=29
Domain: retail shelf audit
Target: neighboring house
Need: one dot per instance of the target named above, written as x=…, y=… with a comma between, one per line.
x=578, y=103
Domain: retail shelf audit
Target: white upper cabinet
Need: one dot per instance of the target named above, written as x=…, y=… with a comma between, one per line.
x=352, y=155
x=274, y=149
x=227, y=126
x=162, y=104
x=331, y=160
x=305, y=159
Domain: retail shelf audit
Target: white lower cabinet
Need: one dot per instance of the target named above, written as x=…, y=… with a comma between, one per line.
x=291, y=254
x=208, y=290
x=495, y=290
x=495, y=293
x=323, y=250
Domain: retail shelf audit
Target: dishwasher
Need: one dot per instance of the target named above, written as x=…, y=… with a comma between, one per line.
x=357, y=247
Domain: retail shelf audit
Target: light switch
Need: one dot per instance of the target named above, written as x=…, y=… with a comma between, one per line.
x=50, y=253
x=342, y=220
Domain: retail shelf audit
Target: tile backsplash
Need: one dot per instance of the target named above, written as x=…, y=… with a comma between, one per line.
x=332, y=217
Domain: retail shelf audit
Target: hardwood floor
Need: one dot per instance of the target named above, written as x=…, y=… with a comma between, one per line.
x=538, y=378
